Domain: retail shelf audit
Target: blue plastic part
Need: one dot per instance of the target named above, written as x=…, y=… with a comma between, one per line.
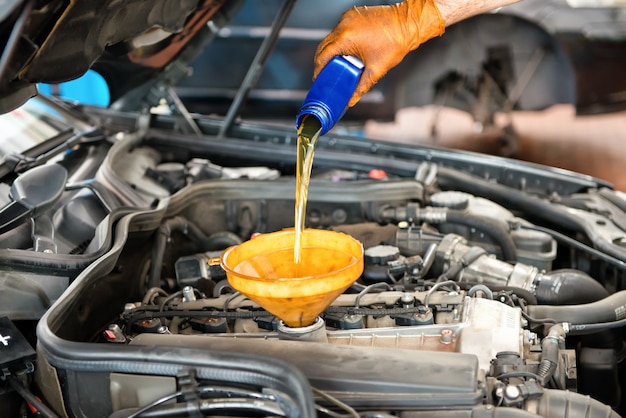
x=331, y=91
x=90, y=89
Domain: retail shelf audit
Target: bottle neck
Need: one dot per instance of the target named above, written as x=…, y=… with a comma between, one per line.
x=319, y=111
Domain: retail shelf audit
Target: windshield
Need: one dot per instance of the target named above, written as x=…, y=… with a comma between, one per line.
x=30, y=125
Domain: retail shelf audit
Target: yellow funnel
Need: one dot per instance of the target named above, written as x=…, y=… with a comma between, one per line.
x=264, y=271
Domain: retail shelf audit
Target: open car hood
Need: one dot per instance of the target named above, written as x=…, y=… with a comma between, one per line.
x=129, y=42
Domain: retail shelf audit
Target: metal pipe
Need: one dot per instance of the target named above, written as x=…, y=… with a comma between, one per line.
x=257, y=65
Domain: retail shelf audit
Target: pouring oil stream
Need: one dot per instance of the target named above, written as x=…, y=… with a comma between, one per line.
x=308, y=134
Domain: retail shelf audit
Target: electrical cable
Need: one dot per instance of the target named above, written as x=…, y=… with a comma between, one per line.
x=155, y=403
x=30, y=397
x=151, y=293
x=507, y=292
x=169, y=299
x=504, y=295
x=582, y=329
x=329, y=412
x=391, y=278
x=537, y=321
x=231, y=391
x=555, y=383
x=152, y=314
x=230, y=299
x=373, y=311
x=196, y=314
x=575, y=244
x=336, y=402
x=144, y=308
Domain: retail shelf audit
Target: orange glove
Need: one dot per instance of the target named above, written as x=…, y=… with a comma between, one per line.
x=380, y=36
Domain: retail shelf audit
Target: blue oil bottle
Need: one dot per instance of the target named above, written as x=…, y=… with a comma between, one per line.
x=331, y=91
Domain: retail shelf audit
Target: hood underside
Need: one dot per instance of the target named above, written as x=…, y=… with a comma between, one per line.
x=59, y=40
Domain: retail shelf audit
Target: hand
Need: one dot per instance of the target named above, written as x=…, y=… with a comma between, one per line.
x=380, y=36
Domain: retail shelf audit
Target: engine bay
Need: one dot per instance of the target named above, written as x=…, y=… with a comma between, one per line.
x=475, y=296
x=489, y=287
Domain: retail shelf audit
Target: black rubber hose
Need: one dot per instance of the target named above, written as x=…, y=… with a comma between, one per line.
x=519, y=200
x=565, y=404
x=500, y=234
x=221, y=240
x=550, y=353
x=609, y=309
x=585, y=329
x=568, y=287
x=210, y=365
x=42, y=409
x=158, y=252
x=506, y=196
x=180, y=224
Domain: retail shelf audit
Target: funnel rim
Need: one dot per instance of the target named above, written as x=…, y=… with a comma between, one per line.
x=356, y=261
x=229, y=270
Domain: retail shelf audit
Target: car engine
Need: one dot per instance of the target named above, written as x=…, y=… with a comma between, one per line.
x=477, y=298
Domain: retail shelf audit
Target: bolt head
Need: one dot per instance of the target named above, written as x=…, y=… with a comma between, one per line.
x=512, y=392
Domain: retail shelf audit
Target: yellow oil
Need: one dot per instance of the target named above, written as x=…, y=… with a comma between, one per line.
x=278, y=264
x=308, y=135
